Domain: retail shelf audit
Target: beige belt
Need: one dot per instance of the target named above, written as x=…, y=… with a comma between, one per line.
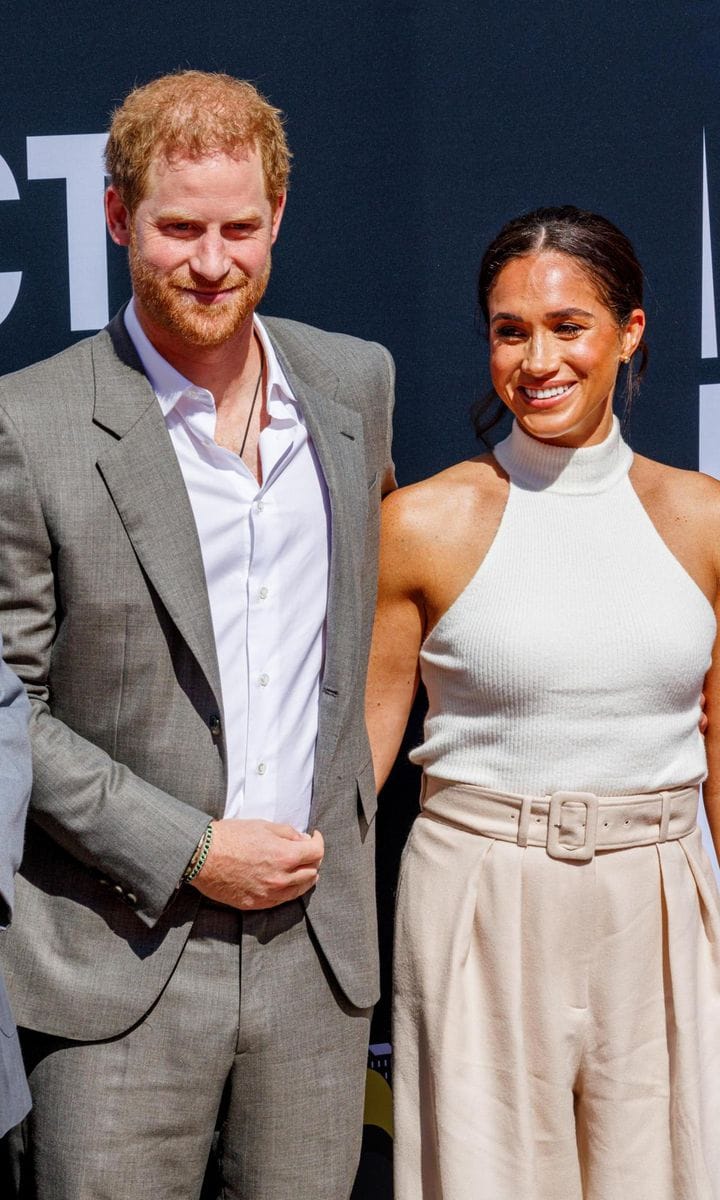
x=569, y=825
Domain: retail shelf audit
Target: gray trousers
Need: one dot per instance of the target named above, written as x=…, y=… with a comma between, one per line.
x=250, y=1035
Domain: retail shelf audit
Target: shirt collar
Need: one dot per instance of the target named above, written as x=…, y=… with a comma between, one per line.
x=169, y=384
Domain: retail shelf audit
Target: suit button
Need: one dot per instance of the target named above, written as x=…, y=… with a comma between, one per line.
x=120, y=890
x=215, y=725
x=131, y=898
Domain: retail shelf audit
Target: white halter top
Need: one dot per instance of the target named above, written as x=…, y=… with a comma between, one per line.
x=575, y=656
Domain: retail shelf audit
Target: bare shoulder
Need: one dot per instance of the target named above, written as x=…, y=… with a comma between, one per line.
x=439, y=528
x=442, y=502
x=687, y=495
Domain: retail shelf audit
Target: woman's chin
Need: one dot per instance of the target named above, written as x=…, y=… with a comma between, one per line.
x=561, y=427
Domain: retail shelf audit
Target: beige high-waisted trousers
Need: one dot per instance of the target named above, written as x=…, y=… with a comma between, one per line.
x=556, y=1018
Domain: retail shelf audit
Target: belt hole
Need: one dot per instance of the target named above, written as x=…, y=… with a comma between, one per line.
x=606, y=824
x=627, y=822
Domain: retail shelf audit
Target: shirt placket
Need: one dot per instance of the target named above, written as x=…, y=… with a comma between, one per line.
x=262, y=683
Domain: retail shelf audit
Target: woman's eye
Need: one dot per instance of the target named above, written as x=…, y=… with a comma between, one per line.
x=568, y=328
x=509, y=331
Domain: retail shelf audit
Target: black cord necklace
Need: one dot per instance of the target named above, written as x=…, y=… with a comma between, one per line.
x=252, y=406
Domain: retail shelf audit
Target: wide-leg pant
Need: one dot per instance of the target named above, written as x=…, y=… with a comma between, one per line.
x=556, y=1024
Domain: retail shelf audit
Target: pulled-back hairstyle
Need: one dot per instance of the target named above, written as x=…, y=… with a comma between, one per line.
x=191, y=114
x=598, y=247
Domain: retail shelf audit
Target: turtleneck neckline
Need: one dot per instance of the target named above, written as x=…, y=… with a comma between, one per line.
x=538, y=467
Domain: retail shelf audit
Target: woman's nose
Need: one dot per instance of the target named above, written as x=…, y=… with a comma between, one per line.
x=541, y=355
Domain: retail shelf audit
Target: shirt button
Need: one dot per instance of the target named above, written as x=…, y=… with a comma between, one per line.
x=263, y=593
x=259, y=506
x=261, y=768
x=215, y=725
x=264, y=680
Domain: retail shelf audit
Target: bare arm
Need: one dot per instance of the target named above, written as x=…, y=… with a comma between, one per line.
x=434, y=536
x=397, y=636
x=711, y=787
x=684, y=507
x=705, y=531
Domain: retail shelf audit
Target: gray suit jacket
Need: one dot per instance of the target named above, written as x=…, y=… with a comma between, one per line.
x=107, y=622
x=15, y=779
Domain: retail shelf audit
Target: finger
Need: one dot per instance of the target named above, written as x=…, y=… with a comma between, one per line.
x=301, y=884
x=289, y=832
x=302, y=888
x=319, y=841
x=306, y=854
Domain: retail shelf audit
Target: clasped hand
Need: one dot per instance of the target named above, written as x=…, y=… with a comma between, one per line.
x=258, y=864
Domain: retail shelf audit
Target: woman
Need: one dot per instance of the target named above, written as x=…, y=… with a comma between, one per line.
x=557, y=1009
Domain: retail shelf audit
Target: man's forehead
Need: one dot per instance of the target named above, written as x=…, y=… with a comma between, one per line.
x=168, y=161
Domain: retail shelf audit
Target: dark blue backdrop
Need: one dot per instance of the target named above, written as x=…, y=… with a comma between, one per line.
x=417, y=128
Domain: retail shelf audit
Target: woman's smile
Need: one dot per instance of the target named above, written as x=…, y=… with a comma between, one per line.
x=555, y=348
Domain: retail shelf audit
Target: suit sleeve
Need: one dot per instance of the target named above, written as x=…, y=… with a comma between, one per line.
x=15, y=782
x=135, y=835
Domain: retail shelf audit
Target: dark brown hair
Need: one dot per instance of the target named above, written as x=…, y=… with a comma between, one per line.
x=597, y=246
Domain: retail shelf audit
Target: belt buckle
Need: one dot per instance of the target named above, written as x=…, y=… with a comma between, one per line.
x=557, y=849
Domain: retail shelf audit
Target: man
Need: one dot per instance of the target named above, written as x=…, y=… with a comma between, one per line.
x=15, y=779
x=189, y=510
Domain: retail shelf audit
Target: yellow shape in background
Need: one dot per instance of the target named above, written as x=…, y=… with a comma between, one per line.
x=378, y=1102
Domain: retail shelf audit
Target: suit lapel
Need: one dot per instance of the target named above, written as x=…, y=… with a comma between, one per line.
x=337, y=435
x=143, y=476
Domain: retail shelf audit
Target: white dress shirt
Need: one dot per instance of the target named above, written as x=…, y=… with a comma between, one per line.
x=265, y=550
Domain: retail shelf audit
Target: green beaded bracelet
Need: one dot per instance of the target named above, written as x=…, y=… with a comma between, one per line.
x=194, y=868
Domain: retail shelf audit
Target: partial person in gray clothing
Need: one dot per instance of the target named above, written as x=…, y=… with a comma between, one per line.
x=15, y=780
x=187, y=573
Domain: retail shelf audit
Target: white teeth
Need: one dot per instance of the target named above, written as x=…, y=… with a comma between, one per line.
x=547, y=393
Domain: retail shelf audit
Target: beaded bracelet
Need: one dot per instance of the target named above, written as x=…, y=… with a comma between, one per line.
x=197, y=862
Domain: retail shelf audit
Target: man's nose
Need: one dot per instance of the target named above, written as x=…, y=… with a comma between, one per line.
x=210, y=258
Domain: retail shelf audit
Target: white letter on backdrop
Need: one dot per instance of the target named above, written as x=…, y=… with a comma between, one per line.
x=77, y=158
x=9, y=280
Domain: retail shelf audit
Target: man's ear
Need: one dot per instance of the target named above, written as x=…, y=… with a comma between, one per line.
x=117, y=217
x=278, y=214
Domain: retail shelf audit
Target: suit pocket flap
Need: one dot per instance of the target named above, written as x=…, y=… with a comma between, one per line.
x=366, y=791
